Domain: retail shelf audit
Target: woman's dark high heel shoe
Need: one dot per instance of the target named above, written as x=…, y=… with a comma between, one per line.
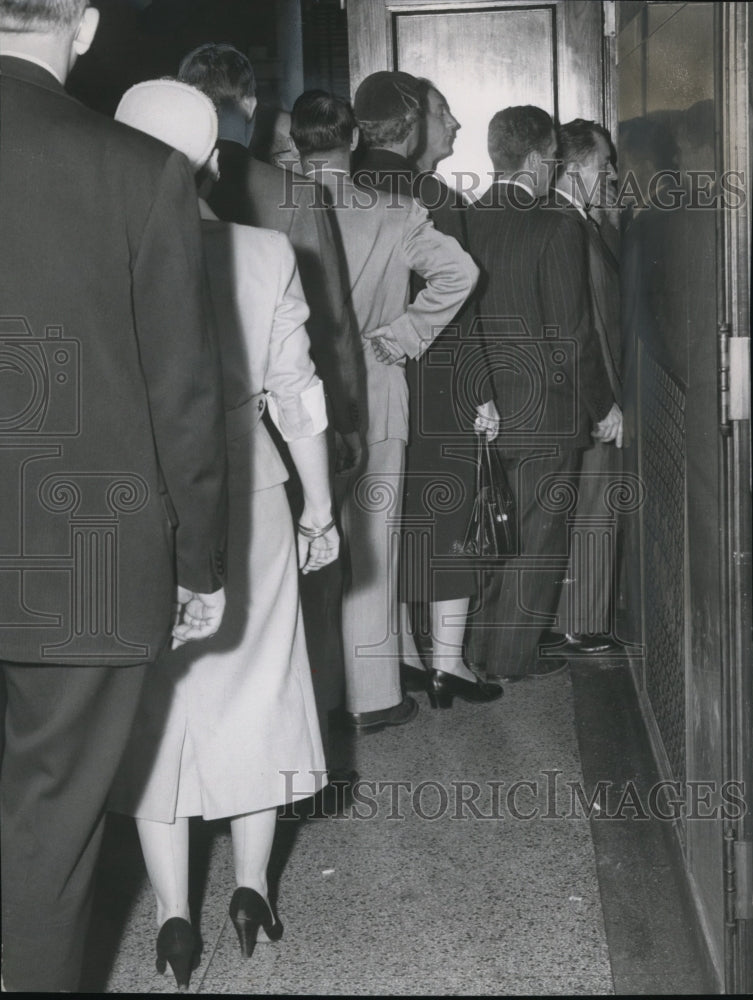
x=176, y=944
x=443, y=687
x=249, y=911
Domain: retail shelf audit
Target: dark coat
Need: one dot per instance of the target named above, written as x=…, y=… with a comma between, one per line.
x=255, y=193
x=550, y=381
x=111, y=424
x=604, y=290
x=604, y=275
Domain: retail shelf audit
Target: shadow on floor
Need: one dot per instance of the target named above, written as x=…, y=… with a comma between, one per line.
x=655, y=942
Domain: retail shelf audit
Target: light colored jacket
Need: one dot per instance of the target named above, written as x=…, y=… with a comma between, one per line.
x=385, y=237
x=260, y=314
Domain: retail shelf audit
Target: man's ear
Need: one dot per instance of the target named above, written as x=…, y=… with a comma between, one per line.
x=533, y=160
x=355, y=136
x=87, y=29
x=249, y=106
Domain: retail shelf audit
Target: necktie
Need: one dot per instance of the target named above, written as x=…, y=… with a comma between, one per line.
x=589, y=216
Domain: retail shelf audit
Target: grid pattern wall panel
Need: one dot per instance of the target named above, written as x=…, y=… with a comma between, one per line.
x=663, y=471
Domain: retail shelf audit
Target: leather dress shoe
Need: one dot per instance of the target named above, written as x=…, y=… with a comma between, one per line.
x=541, y=668
x=371, y=722
x=577, y=645
x=592, y=644
x=443, y=687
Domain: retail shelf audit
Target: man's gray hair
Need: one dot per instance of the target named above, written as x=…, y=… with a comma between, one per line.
x=40, y=16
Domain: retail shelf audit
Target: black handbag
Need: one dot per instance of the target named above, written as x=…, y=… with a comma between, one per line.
x=492, y=527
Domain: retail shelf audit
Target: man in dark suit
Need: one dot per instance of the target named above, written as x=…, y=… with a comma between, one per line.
x=112, y=487
x=582, y=189
x=255, y=193
x=549, y=379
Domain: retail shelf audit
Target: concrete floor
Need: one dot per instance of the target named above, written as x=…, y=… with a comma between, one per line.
x=410, y=891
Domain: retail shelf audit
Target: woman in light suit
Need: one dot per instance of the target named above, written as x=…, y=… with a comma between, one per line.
x=219, y=726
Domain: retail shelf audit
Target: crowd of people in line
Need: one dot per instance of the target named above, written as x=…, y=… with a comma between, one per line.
x=284, y=377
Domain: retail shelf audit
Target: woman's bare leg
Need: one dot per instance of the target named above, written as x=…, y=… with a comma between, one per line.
x=165, y=850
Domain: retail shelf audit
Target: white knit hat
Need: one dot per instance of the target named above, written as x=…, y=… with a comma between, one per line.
x=174, y=112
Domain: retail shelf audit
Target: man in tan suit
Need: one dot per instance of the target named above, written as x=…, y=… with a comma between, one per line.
x=385, y=238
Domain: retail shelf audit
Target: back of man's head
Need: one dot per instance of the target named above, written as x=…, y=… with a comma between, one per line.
x=41, y=16
x=577, y=140
x=321, y=122
x=387, y=106
x=516, y=132
x=221, y=72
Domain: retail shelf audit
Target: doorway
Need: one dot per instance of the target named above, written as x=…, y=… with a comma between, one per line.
x=671, y=81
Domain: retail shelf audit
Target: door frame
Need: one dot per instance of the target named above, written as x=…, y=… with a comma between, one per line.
x=373, y=19
x=733, y=87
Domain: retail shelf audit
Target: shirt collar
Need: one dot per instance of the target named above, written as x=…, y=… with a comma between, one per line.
x=234, y=126
x=37, y=62
x=572, y=201
x=519, y=183
x=332, y=179
x=313, y=171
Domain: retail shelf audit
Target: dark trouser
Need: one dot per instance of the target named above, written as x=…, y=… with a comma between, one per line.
x=65, y=729
x=520, y=601
x=321, y=596
x=321, y=601
x=586, y=602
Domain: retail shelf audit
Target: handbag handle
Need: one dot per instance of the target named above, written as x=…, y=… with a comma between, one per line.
x=486, y=459
x=479, y=459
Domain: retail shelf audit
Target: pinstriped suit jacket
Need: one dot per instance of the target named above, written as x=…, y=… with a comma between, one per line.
x=533, y=307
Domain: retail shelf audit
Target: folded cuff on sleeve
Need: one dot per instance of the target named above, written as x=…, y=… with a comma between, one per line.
x=299, y=416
